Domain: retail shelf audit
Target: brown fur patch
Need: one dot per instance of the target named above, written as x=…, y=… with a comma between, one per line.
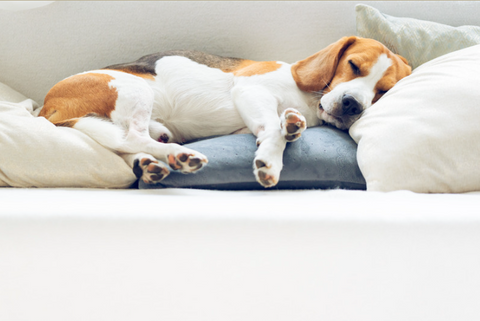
x=250, y=68
x=237, y=66
x=145, y=66
x=78, y=96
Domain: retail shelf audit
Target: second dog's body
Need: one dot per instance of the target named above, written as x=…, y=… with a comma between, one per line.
x=142, y=109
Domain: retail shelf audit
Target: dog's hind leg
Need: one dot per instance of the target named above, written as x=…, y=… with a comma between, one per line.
x=115, y=108
x=133, y=113
x=146, y=156
x=178, y=157
x=138, y=149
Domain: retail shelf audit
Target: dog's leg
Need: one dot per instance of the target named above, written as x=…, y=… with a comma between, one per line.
x=258, y=108
x=133, y=113
x=132, y=140
x=139, y=150
x=115, y=109
x=177, y=157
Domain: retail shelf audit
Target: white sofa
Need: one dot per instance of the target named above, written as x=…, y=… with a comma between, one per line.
x=190, y=254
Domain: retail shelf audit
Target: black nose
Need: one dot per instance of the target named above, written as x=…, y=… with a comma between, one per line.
x=350, y=105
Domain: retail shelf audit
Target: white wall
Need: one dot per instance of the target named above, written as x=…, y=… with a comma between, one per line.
x=44, y=45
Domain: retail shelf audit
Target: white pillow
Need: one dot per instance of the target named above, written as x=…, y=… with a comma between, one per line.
x=35, y=153
x=8, y=94
x=424, y=134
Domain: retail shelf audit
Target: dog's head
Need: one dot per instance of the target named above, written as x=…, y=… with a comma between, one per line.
x=349, y=75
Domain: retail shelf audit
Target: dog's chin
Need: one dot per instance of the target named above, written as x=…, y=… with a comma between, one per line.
x=341, y=122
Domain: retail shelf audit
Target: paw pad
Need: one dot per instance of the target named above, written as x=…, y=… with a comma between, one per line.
x=164, y=138
x=150, y=171
x=293, y=124
x=185, y=162
x=264, y=175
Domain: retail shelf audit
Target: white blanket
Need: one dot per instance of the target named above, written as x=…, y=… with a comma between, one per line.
x=85, y=254
x=193, y=204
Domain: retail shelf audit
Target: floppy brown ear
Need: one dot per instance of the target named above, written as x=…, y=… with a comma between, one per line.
x=406, y=67
x=315, y=72
x=402, y=59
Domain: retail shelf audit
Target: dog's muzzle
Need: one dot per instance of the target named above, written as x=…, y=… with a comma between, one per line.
x=350, y=106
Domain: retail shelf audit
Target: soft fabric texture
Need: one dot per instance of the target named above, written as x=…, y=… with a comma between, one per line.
x=417, y=40
x=35, y=153
x=323, y=157
x=9, y=94
x=423, y=135
x=196, y=255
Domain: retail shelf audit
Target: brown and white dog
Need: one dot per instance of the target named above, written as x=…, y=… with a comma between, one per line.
x=143, y=109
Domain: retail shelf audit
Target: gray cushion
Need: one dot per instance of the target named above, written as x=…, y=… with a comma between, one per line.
x=324, y=157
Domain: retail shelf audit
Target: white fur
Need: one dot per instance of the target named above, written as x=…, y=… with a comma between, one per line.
x=103, y=131
x=192, y=100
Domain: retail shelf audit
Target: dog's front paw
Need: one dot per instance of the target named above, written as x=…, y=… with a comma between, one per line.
x=293, y=124
x=187, y=161
x=150, y=170
x=266, y=173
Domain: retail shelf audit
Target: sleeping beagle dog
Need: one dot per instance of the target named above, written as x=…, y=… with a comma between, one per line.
x=145, y=110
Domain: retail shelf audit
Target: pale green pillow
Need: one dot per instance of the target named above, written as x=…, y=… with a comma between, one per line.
x=416, y=40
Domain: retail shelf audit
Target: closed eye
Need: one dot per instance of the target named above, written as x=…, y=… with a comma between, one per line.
x=379, y=95
x=354, y=67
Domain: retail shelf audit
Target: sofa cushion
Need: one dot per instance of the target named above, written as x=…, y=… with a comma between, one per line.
x=35, y=153
x=324, y=157
x=423, y=135
x=417, y=40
